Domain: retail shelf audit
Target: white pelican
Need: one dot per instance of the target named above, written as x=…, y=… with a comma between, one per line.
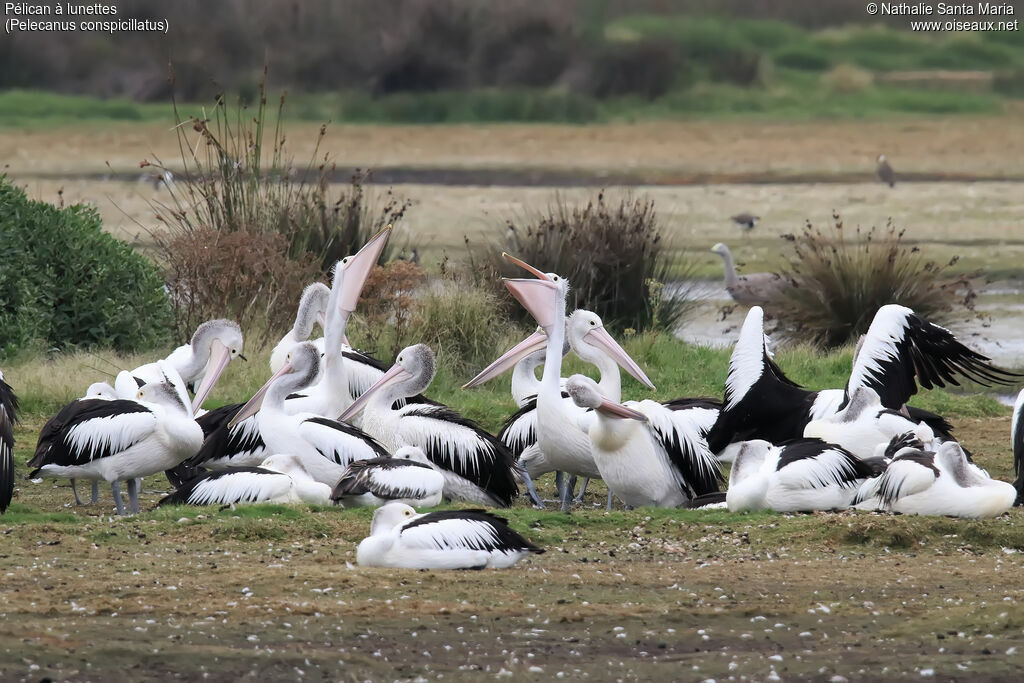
x=647, y=454
x=312, y=311
x=919, y=482
x=322, y=443
x=802, y=475
x=453, y=539
x=119, y=439
x=899, y=351
x=240, y=443
x=214, y=344
x=863, y=427
x=409, y=477
x=476, y=466
x=100, y=390
x=8, y=418
x=281, y=478
x=564, y=445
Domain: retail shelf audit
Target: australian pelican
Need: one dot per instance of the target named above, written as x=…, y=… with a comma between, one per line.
x=1017, y=441
x=476, y=466
x=322, y=443
x=453, y=539
x=281, y=478
x=120, y=439
x=647, y=454
x=408, y=477
x=943, y=482
x=8, y=418
x=802, y=475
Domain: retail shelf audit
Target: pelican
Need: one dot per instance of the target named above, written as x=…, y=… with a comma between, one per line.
x=647, y=454
x=752, y=288
x=214, y=344
x=119, y=439
x=476, y=466
x=8, y=418
x=863, y=426
x=900, y=350
x=453, y=539
x=409, y=477
x=920, y=482
x=322, y=443
x=281, y=478
x=563, y=443
x=312, y=311
x=347, y=373
x=100, y=390
x=802, y=475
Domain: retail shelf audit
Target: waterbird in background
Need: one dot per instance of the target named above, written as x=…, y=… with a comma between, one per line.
x=885, y=172
x=746, y=221
x=750, y=289
x=476, y=466
x=453, y=539
x=8, y=418
x=119, y=439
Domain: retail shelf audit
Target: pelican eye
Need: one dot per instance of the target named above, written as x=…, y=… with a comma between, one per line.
x=554, y=278
x=406, y=513
x=592, y=323
x=346, y=259
x=141, y=394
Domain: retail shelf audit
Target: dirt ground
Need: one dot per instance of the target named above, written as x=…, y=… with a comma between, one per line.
x=272, y=593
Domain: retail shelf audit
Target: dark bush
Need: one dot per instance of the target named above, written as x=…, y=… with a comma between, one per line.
x=645, y=68
x=805, y=57
x=614, y=256
x=841, y=280
x=66, y=283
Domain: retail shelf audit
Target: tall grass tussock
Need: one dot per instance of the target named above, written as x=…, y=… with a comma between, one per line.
x=841, y=279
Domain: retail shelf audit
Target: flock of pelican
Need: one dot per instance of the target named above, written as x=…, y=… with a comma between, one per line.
x=335, y=425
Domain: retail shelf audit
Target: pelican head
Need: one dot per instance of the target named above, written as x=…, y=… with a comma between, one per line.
x=219, y=342
x=587, y=334
x=586, y=394
x=411, y=374
x=412, y=454
x=387, y=517
x=301, y=368
x=285, y=463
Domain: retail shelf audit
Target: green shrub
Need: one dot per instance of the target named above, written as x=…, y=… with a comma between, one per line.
x=614, y=255
x=839, y=281
x=66, y=283
x=804, y=57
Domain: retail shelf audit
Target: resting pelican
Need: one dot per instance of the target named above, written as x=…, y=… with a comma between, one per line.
x=920, y=482
x=322, y=443
x=647, y=454
x=409, y=477
x=453, y=539
x=312, y=311
x=281, y=478
x=8, y=418
x=476, y=466
x=802, y=475
x=900, y=350
x=117, y=440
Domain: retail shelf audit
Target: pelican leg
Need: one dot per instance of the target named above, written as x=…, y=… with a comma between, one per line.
x=95, y=498
x=570, y=485
x=583, y=490
x=609, y=507
x=133, y=495
x=138, y=485
x=532, y=490
x=78, y=501
x=118, y=503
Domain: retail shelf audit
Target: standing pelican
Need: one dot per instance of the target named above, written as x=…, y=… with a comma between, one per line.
x=646, y=454
x=117, y=440
x=8, y=418
x=1017, y=443
x=476, y=466
x=453, y=539
x=322, y=443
